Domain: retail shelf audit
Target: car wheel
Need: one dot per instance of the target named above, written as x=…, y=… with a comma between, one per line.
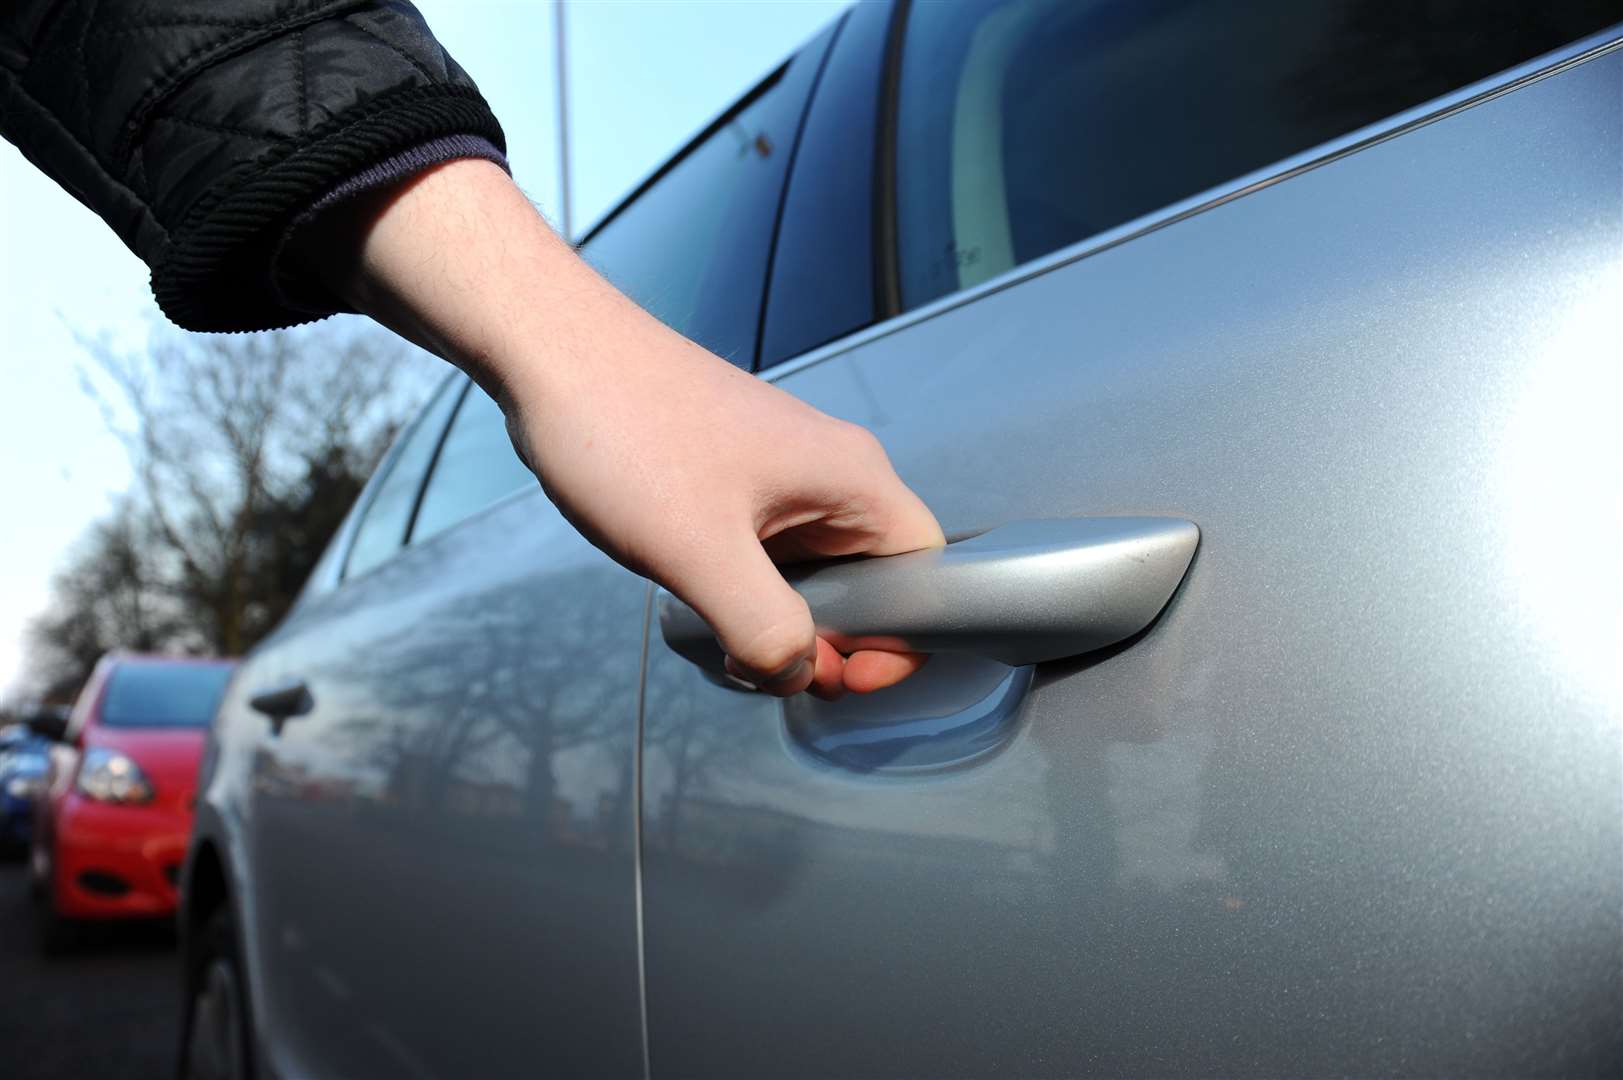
x=57, y=934
x=217, y=1032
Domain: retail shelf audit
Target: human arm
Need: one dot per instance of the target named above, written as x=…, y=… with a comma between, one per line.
x=206, y=136
x=201, y=131
x=677, y=464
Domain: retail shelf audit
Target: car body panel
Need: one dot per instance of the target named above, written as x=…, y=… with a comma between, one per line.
x=461, y=795
x=141, y=846
x=1352, y=803
x=459, y=802
x=168, y=757
x=23, y=768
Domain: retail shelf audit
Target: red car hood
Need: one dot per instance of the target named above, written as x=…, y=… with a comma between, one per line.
x=168, y=756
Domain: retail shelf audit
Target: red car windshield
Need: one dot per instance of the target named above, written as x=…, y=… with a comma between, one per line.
x=163, y=695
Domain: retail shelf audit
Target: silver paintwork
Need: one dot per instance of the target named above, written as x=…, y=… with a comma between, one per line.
x=434, y=865
x=1022, y=593
x=1354, y=804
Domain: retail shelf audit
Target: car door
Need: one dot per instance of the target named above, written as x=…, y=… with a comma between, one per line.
x=1350, y=804
x=443, y=821
x=447, y=831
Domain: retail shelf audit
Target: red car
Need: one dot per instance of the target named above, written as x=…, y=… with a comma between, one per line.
x=113, y=823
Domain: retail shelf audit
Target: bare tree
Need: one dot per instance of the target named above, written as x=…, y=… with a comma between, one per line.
x=109, y=594
x=247, y=450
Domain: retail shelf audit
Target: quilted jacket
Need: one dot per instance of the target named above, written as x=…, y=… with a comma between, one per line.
x=198, y=129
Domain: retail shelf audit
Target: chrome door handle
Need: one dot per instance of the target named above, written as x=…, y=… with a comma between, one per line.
x=1022, y=593
x=283, y=701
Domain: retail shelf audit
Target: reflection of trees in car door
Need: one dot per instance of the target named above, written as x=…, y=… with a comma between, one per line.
x=478, y=696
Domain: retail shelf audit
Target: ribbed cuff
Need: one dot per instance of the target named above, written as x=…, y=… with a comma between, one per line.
x=407, y=163
x=394, y=169
x=218, y=271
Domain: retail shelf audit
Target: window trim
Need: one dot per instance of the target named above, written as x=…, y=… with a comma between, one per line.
x=847, y=99
x=484, y=511
x=788, y=175
x=1428, y=112
x=728, y=115
x=428, y=543
x=433, y=464
x=363, y=505
x=887, y=256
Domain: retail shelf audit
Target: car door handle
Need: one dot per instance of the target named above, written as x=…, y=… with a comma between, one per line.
x=1022, y=593
x=283, y=701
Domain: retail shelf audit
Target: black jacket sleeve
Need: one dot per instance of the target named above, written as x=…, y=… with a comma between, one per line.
x=200, y=129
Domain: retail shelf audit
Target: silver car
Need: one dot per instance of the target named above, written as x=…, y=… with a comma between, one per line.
x=1264, y=361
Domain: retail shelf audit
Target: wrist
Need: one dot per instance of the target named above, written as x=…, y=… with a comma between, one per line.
x=441, y=260
x=459, y=261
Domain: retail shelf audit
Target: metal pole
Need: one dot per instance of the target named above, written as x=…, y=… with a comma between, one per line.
x=563, y=120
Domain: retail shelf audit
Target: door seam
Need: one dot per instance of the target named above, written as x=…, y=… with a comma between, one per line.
x=636, y=830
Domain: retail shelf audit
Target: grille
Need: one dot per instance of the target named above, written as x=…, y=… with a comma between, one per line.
x=103, y=883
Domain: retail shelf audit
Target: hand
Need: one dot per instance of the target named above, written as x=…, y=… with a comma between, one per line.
x=675, y=463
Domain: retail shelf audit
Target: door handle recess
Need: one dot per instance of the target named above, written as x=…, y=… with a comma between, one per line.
x=283, y=701
x=1022, y=593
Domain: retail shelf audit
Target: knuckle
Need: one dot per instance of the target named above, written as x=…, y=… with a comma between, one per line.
x=772, y=651
x=861, y=439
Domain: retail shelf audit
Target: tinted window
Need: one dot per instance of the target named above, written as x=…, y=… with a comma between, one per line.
x=476, y=466
x=692, y=249
x=163, y=695
x=382, y=529
x=23, y=761
x=822, y=270
x=1026, y=125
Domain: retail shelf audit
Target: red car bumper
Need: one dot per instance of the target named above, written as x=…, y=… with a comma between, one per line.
x=116, y=862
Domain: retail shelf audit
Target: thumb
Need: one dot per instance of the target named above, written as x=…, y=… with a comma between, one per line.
x=763, y=625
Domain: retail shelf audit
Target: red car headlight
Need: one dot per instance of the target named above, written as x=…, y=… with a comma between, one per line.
x=110, y=776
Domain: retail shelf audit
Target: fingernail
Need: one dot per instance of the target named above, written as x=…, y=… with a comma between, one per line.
x=789, y=674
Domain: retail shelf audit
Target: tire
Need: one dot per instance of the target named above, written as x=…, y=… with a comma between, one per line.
x=56, y=933
x=217, y=1039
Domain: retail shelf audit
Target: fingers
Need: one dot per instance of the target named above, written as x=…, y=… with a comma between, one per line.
x=896, y=521
x=870, y=670
x=904, y=522
x=911, y=525
x=763, y=625
x=828, y=681
x=833, y=674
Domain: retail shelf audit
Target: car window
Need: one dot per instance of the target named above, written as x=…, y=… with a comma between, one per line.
x=163, y=695
x=1027, y=125
x=476, y=466
x=382, y=528
x=822, y=269
x=692, y=248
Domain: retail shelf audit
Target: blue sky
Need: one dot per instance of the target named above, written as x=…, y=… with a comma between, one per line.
x=643, y=76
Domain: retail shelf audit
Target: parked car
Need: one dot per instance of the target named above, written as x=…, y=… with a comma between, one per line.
x=14, y=734
x=113, y=822
x=24, y=758
x=23, y=762
x=1330, y=290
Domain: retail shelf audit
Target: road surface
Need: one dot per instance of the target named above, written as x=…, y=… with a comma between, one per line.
x=110, y=1009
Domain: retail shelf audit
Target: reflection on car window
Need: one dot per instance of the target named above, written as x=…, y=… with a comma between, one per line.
x=693, y=248
x=1027, y=125
x=163, y=695
x=382, y=529
x=477, y=465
